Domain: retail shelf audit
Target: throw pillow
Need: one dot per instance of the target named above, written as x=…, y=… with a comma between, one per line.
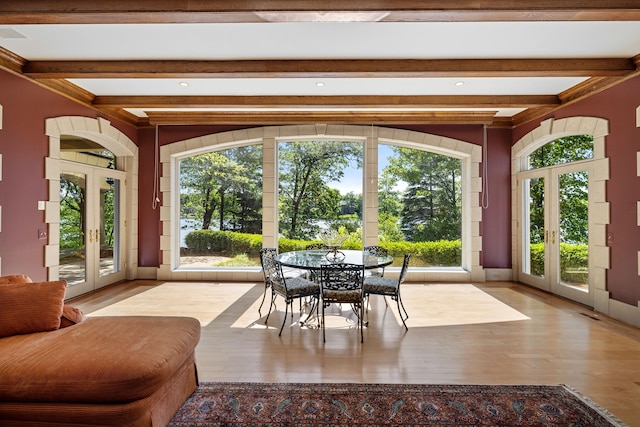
x=31, y=307
x=70, y=316
x=15, y=278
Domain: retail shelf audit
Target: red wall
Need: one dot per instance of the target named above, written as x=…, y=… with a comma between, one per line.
x=24, y=145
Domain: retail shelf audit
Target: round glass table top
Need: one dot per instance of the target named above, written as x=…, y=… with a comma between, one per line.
x=313, y=259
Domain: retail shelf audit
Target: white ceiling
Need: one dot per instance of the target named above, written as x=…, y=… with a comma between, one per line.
x=325, y=40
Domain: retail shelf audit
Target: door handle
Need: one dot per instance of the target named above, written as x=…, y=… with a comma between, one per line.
x=553, y=237
x=546, y=236
x=90, y=236
x=97, y=236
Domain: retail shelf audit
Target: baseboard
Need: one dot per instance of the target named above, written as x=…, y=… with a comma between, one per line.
x=148, y=273
x=498, y=274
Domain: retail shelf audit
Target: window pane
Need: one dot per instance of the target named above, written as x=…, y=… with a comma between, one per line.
x=80, y=150
x=109, y=237
x=533, y=227
x=221, y=208
x=320, y=189
x=420, y=202
x=72, y=227
x=562, y=150
x=573, y=201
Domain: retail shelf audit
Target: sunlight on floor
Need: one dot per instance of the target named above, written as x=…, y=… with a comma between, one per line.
x=193, y=299
x=454, y=304
x=428, y=305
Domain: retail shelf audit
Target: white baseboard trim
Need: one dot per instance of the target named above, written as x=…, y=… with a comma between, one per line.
x=498, y=274
x=148, y=273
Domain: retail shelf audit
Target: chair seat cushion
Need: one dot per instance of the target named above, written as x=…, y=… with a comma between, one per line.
x=346, y=296
x=298, y=286
x=380, y=285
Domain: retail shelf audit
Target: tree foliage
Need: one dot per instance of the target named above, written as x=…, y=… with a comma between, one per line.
x=430, y=207
x=306, y=167
x=223, y=185
x=573, y=189
x=72, y=211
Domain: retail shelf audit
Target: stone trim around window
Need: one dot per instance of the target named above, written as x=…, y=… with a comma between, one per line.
x=470, y=154
x=101, y=131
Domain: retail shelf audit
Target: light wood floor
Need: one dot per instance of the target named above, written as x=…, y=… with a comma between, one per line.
x=491, y=333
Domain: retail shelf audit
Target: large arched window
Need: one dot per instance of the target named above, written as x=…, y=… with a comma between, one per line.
x=313, y=179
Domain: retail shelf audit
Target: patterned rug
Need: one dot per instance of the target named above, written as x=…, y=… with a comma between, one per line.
x=266, y=404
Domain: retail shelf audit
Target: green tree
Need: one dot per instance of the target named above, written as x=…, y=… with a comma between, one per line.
x=72, y=211
x=245, y=203
x=431, y=202
x=389, y=210
x=227, y=183
x=574, y=196
x=305, y=169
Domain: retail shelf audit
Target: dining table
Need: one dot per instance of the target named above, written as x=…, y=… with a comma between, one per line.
x=314, y=259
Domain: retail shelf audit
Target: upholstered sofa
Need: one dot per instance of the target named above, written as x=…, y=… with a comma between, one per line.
x=59, y=368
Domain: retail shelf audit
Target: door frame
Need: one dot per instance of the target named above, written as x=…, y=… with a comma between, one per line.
x=551, y=282
x=101, y=131
x=599, y=256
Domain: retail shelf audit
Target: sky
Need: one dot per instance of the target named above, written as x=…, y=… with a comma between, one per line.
x=352, y=180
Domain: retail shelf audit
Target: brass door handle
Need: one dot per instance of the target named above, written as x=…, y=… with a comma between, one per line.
x=90, y=236
x=546, y=236
x=553, y=237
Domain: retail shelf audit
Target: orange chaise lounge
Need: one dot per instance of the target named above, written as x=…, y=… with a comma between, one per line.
x=57, y=368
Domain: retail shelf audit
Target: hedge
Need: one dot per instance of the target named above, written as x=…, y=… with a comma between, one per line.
x=203, y=242
x=574, y=261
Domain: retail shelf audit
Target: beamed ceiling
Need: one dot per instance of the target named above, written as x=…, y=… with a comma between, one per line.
x=499, y=63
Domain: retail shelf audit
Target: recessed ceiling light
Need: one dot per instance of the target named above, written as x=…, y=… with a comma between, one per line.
x=460, y=83
x=320, y=84
x=184, y=84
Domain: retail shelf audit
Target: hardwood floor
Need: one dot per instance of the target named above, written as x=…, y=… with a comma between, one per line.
x=489, y=333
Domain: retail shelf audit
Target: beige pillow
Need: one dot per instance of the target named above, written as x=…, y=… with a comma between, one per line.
x=30, y=307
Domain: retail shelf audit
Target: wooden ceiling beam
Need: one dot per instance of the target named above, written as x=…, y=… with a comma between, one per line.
x=376, y=101
x=389, y=68
x=224, y=11
x=307, y=117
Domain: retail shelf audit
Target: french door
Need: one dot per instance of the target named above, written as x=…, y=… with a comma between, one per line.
x=91, y=225
x=554, y=230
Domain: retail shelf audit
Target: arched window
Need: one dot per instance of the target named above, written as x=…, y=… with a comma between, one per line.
x=338, y=166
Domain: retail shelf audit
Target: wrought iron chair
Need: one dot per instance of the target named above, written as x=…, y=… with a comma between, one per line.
x=313, y=275
x=290, y=288
x=380, y=251
x=268, y=255
x=312, y=246
x=342, y=283
x=387, y=286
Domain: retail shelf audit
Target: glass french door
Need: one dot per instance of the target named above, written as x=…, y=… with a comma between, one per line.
x=91, y=200
x=554, y=230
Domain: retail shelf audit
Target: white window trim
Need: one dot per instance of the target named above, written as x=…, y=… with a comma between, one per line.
x=470, y=154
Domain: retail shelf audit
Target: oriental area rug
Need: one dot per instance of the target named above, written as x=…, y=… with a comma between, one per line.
x=286, y=404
